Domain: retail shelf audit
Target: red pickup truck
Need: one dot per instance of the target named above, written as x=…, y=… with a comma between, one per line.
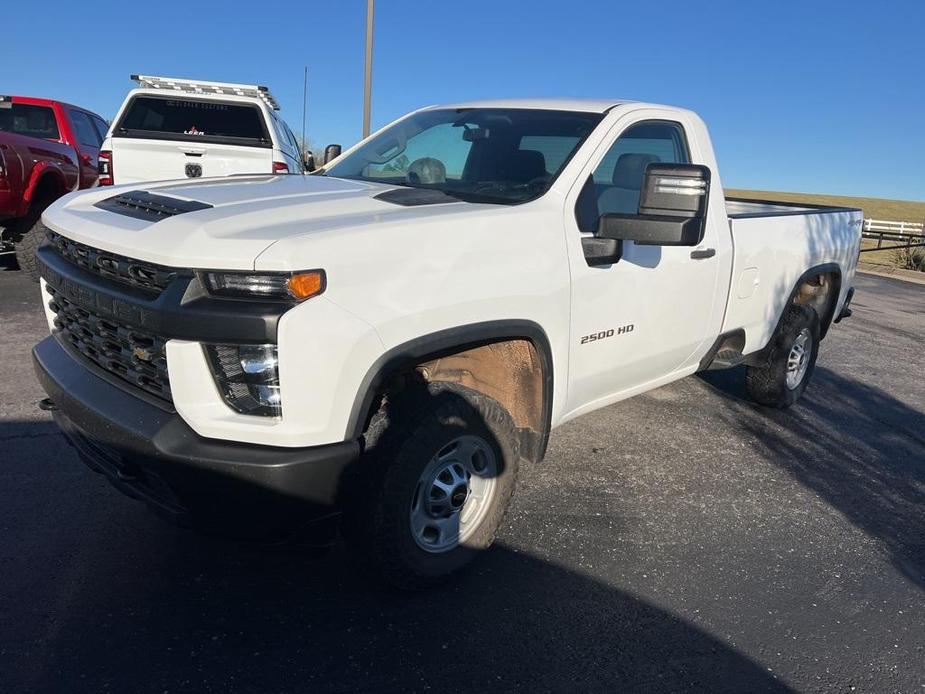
x=47, y=148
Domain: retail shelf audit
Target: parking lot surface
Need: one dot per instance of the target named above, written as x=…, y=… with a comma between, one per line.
x=683, y=540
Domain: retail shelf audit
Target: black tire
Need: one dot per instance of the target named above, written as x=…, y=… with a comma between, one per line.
x=401, y=442
x=767, y=381
x=29, y=233
x=25, y=247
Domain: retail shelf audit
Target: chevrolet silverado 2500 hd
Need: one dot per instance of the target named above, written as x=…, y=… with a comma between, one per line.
x=391, y=338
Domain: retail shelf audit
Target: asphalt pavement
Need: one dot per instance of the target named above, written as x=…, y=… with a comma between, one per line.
x=683, y=540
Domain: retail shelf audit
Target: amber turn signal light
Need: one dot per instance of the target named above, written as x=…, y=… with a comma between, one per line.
x=304, y=285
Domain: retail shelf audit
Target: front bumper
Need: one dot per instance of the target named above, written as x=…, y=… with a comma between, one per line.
x=152, y=454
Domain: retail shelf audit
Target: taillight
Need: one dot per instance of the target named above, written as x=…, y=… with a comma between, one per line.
x=104, y=168
x=280, y=167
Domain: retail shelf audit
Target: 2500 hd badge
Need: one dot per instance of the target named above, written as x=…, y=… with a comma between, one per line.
x=604, y=334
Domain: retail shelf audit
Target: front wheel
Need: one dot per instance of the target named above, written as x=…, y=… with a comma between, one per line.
x=787, y=365
x=437, y=478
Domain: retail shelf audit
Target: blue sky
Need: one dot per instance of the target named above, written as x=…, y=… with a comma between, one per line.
x=812, y=96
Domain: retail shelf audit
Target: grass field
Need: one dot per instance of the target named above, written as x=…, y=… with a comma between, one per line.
x=874, y=208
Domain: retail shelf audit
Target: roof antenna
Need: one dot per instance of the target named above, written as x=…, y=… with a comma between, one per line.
x=304, y=101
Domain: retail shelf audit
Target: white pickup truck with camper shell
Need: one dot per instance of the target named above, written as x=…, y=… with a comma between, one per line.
x=172, y=128
x=387, y=341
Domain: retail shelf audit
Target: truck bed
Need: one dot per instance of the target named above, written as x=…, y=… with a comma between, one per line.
x=775, y=243
x=746, y=208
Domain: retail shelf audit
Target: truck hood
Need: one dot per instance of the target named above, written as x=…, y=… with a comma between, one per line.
x=246, y=216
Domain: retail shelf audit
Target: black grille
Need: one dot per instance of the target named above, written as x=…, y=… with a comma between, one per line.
x=133, y=355
x=149, y=206
x=136, y=273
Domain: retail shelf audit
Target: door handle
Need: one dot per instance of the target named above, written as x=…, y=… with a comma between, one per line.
x=703, y=253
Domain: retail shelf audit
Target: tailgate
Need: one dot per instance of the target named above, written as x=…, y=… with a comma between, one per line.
x=135, y=160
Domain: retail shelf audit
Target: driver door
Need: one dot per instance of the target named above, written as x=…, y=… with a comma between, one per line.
x=639, y=320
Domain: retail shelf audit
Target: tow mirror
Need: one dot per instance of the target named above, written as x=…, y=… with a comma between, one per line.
x=331, y=152
x=672, y=208
x=309, y=161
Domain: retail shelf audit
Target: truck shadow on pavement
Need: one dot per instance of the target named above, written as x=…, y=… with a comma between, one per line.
x=857, y=447
x=99, y=595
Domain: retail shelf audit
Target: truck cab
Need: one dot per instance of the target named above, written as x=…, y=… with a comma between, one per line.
x=392, y=338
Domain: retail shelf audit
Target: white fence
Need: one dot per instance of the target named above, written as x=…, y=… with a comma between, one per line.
x=901, y=228
x=906, y=234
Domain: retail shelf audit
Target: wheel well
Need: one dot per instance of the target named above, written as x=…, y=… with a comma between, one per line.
x=508, y=371
x=514, y=371
x=47, y=189
x=820, y=292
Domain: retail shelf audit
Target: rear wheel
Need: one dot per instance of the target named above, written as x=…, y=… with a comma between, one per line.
x=788, y=363
x=436, y=481
x=25, y=247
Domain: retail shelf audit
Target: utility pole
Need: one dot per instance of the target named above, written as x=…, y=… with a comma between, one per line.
x=368, y=82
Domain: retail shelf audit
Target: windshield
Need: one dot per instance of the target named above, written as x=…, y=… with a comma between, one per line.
x=479, y=154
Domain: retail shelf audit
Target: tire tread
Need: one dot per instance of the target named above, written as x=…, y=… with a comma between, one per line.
x=766, y=381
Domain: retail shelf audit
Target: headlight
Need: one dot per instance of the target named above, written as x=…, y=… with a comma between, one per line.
x=248, y=377
x=275, y=286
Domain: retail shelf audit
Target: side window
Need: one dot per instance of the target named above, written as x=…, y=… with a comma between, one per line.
x=26, y=119
x=615, y=185
x=277, y=132
x=101, y=127
x=86, y=133
x=293, y=142
x=282, y=135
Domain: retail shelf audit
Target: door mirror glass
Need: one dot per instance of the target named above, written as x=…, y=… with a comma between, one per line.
x=672, y=208
x=309, y=162
x=331, y=152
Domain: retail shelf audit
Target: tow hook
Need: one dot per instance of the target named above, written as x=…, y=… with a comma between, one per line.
x=47, y=405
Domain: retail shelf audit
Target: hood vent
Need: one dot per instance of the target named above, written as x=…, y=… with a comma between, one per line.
x=149, y=206
x=412, y=197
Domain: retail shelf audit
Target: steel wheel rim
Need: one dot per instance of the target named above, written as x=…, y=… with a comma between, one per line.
x=798, y=359
x=453, y=494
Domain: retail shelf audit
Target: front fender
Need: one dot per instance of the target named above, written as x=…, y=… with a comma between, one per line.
x=324, y=353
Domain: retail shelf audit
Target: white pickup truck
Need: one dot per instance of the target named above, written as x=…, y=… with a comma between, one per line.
x=169, y=128
x=389, y=339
